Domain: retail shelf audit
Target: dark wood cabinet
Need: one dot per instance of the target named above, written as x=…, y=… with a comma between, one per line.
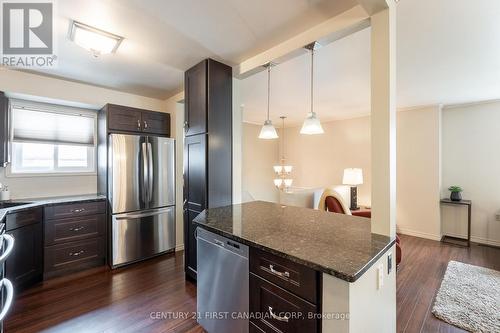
x=195, y=191
x=195, y=112
x=75, y=237
x=280, y=287
x=124, y=119
x=279, y=310
x=208, y=146
x=4, y=130
x=156, y=123
x=24, y=266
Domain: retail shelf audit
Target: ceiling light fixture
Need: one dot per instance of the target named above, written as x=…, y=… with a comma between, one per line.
x=311, y=124
x=95, y=40
x=268, y=131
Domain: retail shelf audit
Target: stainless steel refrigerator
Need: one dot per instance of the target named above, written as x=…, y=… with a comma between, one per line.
x=141, y=193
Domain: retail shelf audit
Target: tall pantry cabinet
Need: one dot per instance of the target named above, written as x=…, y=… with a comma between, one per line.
x=207, y=147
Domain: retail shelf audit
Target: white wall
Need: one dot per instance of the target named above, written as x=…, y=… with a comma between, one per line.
x=418, y=172
x=471, y=159
x=67, y=92
x=258, y=159
x=320, y=160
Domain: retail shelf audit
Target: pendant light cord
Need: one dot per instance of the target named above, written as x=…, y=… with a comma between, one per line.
x=312, y=78
x=268, y=88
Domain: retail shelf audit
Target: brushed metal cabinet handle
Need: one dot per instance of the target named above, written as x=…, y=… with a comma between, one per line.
x=279, y=318
x=76, y=254
x=278, y=273
x=77, y=228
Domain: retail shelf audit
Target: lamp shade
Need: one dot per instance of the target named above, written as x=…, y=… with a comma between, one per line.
x=268, y=131
x=311, y=125
x=353, y=177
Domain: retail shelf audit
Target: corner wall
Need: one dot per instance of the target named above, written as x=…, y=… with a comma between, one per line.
x=418, y=172
x=471, y=159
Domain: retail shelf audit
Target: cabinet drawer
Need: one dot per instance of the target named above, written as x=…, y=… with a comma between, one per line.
x=297, y=278
x=73, y=229
x=278, y=310
x=73, y=255
x=23, y=218
x=75, y=209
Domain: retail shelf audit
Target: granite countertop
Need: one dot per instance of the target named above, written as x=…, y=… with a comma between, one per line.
x=36, y=202
x=336, y=244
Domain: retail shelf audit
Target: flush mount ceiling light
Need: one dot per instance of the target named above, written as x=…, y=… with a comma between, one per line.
x=312, y=125
x=268, y=131
x=95, y=40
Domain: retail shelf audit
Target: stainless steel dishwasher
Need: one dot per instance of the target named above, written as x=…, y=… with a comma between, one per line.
x=222, y=283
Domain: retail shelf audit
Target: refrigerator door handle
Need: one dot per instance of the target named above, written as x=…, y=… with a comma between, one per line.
x=150, y=172
x=127, y=216
x=145, y=173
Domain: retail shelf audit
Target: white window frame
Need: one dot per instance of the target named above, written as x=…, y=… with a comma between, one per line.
x=57, y=172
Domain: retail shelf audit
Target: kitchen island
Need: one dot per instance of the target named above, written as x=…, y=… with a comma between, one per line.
x=310, y=271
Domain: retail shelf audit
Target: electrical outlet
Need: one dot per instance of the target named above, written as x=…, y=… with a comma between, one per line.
x=380, y=280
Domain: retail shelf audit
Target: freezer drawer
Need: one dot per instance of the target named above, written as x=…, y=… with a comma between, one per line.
x=140, y=235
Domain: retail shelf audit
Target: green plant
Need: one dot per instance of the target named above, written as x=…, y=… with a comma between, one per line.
x=455, y=189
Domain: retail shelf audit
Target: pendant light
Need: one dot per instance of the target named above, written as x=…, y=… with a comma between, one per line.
x=268, y=131
x=311, y=124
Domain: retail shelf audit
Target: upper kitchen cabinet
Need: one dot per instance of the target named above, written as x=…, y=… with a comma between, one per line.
x=127, y=119
x=195, y=117
x=4, y=130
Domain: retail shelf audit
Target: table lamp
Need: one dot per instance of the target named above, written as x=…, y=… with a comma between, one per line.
x=353, y=177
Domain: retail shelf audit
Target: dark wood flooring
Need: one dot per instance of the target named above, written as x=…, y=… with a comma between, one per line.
x=419, y=277
x=123, y=300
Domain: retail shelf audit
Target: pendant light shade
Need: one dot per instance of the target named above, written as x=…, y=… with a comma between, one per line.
x=311, y=124
x=268, y=131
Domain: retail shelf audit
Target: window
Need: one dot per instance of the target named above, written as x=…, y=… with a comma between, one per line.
x=51, y=139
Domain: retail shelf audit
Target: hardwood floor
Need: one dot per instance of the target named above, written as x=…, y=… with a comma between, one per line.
x=123, y=300
x=419, y=277
x=106, y=301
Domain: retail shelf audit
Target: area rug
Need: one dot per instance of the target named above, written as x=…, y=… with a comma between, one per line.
x=469, y=298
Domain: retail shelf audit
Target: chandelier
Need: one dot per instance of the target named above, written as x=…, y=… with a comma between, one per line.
x=283, y=180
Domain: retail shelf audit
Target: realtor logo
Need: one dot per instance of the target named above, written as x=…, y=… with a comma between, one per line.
x=28, y=34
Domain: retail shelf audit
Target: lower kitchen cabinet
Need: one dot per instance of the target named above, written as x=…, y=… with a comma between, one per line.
x=75, y=237
x=24, y=266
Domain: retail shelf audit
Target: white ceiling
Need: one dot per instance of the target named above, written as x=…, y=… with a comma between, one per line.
x=448, y=52
x=164, y=38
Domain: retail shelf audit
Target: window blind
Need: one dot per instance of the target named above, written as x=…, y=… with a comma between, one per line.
x=41, y=125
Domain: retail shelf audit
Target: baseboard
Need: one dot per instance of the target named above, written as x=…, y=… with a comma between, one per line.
x=179, y=247
x=474, y=239
x=410, y=232
x=485, y=241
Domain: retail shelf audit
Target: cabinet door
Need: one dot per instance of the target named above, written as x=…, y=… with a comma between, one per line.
x=156, y=123
x=195, y=183
x=4, y=130
x=122, y=118
x=196, y=99
x=24, y=265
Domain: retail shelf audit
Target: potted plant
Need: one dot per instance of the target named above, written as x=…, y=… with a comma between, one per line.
x=456, y=193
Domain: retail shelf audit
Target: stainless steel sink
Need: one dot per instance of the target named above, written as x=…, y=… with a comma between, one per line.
x=8, y=204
